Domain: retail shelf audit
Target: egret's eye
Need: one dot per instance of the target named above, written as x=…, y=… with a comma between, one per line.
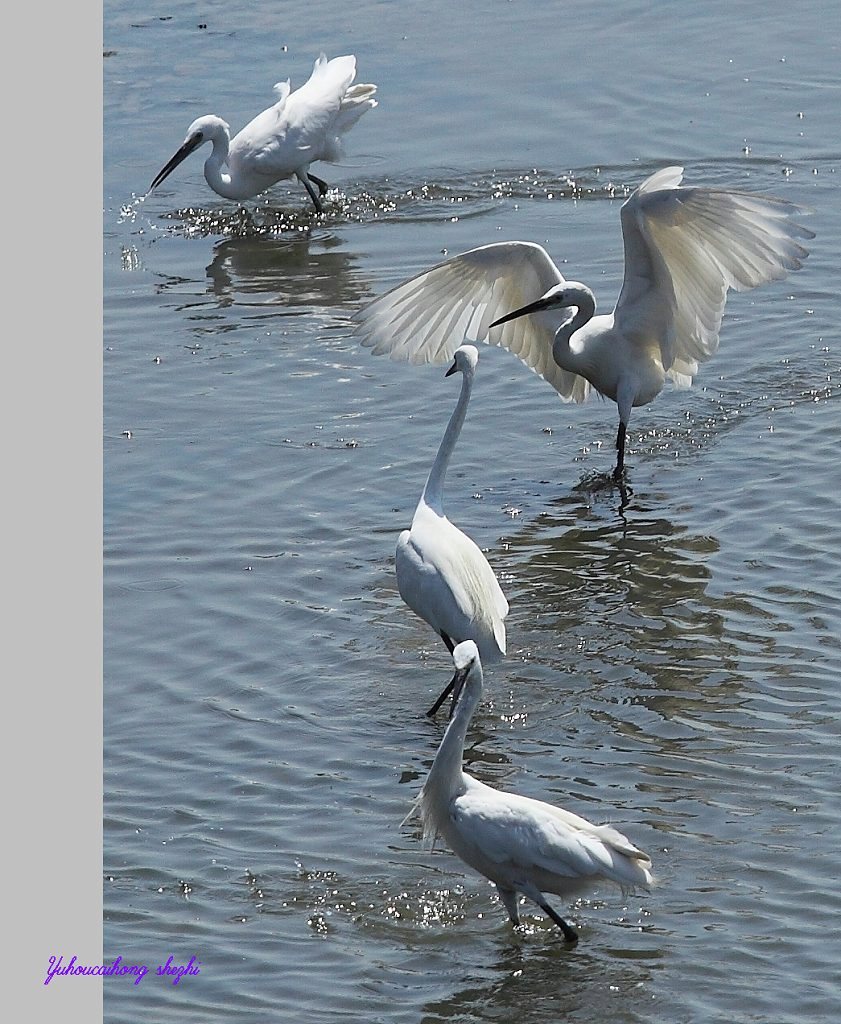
x=198, y=136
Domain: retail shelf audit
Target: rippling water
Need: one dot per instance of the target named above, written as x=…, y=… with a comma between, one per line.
x=673, y=658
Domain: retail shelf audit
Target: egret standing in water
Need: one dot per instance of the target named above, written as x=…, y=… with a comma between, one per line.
x=441, y=573
x=522, y=845
x=684, y=248
x=300, y=128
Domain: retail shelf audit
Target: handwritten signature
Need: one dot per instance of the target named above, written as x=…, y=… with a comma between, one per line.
x=120, y=969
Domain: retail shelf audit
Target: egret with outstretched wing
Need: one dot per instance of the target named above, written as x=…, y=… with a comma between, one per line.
x=684, y=248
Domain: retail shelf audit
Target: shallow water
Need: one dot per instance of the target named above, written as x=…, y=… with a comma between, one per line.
x=673, y=661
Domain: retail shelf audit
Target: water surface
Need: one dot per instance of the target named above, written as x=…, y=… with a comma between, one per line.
x=673, y=661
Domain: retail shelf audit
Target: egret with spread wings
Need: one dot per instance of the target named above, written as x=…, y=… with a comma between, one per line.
x=684, y=248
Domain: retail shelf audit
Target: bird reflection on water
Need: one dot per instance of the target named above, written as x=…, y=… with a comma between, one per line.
x=308, y=271
x=535, y=984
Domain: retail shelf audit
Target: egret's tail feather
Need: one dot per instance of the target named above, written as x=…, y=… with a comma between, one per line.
x=333, y=103
x=356, y=101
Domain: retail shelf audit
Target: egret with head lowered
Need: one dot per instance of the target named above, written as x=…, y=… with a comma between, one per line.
x=684, y=248
x=524, y=846
x=442, y=574
x=300, y=128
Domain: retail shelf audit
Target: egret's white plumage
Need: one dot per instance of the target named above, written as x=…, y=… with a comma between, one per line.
x=441, y=573
x=522, y=845
x=684, y=248
x=300, y=128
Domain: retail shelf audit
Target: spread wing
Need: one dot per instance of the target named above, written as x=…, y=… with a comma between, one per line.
x=684, y=248
x=425, y=319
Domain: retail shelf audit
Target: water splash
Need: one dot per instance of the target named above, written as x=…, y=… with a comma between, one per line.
x=448, y=197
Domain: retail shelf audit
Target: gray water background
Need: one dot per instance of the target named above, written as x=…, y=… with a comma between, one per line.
x=672, y=664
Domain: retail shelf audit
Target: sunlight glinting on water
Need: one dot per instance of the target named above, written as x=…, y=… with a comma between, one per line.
x=672, y=646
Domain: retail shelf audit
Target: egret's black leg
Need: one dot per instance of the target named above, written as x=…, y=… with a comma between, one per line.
x=304, y=179
x=620, y=451
x=320, y=183
x=570, y=934
x=448, y=689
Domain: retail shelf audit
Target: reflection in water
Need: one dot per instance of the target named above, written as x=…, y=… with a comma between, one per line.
x=646, y=574
x=303, y=271
x=526, y=984
x=645, y=669
x=444, y=929
x=620, y=602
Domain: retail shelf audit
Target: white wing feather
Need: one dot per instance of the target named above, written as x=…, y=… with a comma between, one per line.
x=444, y=577
x=684, y=248
x=281, y=90
x=304, y=125
x=425, y=319
x=525, y=835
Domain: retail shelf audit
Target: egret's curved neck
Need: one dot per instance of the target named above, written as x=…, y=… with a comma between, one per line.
x=433, y=492
x=446, y=770
x=219, y=179
x=563, y=355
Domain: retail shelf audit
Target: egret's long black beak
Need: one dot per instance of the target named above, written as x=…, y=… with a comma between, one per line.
x=545, y=302
x=458, y=685
x=452, y=369
x=181, y=155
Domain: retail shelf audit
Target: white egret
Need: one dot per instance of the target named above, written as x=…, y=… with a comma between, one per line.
x=684, y=248
x=522, y=845
x=441, y=573
x=300, y=128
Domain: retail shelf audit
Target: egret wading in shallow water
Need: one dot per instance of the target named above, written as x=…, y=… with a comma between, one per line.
x=684, y=248
x=300, y=128
x=522, y=845
x=441, y=573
